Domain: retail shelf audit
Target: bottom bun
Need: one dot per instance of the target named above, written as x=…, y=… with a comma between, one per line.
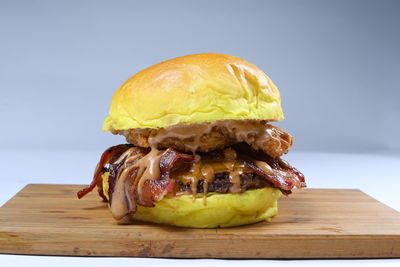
x=220, y=210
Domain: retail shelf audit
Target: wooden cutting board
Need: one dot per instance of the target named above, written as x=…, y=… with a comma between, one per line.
x=312, y=223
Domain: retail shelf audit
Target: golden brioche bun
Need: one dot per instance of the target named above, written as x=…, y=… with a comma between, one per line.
x=220, y=210
x=194, y=89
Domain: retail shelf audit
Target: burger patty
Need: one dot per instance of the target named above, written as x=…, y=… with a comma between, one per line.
x=222, y=183
x=205, y=137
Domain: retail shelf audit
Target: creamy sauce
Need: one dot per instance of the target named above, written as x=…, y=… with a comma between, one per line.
x=189, y=133
x=195, y=170
x=139, y=167
x=208, y=173
x=119, y=206
x=234, y=171
x=234, y=178
x=149, y=168
x=264, y=167
x=205, y=170
x=230, y=154
x=146, y=167
x=126, y=154
x=205, y=190
x=229, y=165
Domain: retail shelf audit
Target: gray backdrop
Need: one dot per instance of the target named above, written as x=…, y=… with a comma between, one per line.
x=336, y=63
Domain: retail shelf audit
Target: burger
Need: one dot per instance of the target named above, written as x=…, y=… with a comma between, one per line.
x=201, y=151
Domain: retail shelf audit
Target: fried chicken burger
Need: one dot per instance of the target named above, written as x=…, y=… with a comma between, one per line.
x=201, y=150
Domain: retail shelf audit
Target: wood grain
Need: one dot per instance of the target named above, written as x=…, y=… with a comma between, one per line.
x=312, y=223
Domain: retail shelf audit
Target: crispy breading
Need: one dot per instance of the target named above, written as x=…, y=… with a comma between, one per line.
x=273, y=140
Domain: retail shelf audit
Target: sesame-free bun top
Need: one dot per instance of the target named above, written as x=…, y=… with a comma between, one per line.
x=194, y=89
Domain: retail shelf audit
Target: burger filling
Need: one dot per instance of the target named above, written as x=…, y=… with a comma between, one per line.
x=205, y=137
x=143, y=176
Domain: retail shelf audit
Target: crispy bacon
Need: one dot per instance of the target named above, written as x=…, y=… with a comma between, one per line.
x=284, y=178
x=124, y=159
x=171, y=159
x=105, y=158
x=154, y=190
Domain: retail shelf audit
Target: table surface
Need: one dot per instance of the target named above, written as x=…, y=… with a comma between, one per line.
x=375, y=174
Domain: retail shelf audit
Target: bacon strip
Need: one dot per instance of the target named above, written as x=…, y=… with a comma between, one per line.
x=172, y=158
x=122, y=159
x=105, y=158
x=285, y=177
x=155, y=190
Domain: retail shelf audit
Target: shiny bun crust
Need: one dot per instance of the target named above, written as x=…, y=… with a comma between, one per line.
x=194, y=89
x=219, y=210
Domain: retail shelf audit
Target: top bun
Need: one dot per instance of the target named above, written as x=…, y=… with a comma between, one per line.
x=194, y=89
